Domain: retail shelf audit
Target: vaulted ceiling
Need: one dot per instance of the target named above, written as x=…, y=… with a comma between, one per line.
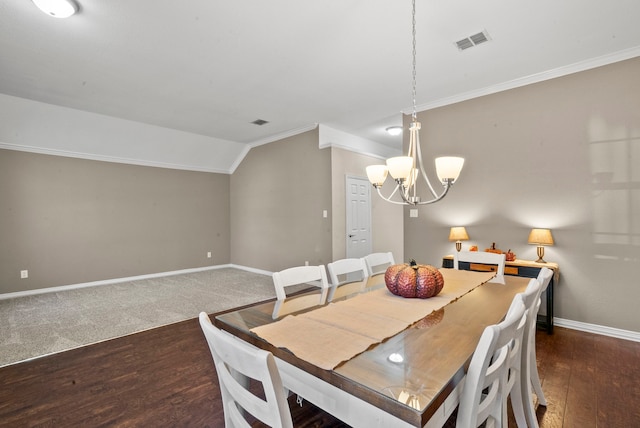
x=212, y=67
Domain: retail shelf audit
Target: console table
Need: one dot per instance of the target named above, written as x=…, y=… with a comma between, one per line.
x=524, y=268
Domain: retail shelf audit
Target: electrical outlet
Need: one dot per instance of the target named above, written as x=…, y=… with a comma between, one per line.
x=209, y=254
x=24, y=274
x=306, y=263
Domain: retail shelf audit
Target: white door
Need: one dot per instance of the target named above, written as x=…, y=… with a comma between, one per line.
x=358, y=217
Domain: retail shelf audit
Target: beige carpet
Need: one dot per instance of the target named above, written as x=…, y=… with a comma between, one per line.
x=43, y=324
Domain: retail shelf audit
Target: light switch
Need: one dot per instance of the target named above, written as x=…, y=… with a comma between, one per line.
x=413, y=212
x=324, y=213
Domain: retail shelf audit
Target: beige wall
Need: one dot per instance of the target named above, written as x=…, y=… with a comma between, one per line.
x=562, y=154
x=386, y=218
x=70, y=221
x=278, y=194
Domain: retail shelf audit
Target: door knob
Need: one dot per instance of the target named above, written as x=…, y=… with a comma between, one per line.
x=351, y=236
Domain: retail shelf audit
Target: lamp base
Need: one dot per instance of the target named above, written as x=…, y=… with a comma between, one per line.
x=540, y=254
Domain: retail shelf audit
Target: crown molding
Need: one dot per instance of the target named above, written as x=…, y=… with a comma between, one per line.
x=534, y=78
x=283, y=135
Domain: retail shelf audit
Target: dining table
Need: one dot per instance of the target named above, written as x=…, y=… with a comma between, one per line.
x=374, y=359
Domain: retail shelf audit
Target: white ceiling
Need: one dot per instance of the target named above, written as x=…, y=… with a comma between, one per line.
x=211, y=67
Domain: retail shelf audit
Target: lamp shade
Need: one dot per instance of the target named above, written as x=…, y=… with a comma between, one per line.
x=449, y=167
x=540, y=237
x=458, y=234
x=400, y=166
x=377, y=174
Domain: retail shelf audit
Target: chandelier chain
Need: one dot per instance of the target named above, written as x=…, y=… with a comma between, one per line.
x=413, y=53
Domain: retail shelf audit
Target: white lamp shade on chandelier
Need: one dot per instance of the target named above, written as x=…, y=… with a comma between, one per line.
x=449, y=168
x=400, y=167
x=377, y=174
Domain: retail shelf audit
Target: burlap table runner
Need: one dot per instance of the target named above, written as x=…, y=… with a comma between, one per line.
x=339, y=331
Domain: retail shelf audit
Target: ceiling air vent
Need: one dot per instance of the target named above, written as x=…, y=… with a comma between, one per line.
x=259, y=122
x=473, y=40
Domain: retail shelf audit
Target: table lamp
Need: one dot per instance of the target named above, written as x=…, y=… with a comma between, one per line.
x=540, y=237
x=458, y=234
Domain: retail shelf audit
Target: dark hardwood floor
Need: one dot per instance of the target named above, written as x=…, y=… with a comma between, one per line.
x=164, y=377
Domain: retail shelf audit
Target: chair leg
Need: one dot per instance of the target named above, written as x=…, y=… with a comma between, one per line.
x=518, y=406
x=535, y=379
x=527, y=401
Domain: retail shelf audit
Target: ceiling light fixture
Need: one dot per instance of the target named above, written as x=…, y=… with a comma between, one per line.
x=57, y=8
x=394, y=130
x=403, y=169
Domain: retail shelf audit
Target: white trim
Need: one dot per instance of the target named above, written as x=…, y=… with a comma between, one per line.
x=330, y=137
x=104, y=158
x=239, y=159
x=355, y=150
x=127, y=279
x=250, y=269
x=534, y=78
x=283, y=135
x=598, y=329
x=268, y=140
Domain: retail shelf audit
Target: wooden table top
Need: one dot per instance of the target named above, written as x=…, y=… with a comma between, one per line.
x=435, y=350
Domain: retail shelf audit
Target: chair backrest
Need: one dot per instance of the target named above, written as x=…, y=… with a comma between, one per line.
x=345, y=272
x=314, y=275
x=293, y=304
x=544, y=277
x=531, y=299
x=486, y=383
x=378, y=262
x=231, y=357
x=483, y=257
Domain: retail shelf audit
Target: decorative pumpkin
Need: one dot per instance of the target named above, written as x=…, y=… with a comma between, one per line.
x=414, y=280
x=493, y=249
x=510, y=256
x=473, y=248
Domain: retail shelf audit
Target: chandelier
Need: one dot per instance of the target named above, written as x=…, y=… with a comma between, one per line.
x=405, y=170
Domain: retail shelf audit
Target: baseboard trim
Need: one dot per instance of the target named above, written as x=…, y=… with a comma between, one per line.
x=598, y=329
x=111, y=281
x=250, y=269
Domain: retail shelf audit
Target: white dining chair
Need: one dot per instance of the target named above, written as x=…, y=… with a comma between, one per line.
x=486, y=384
x=378, y=263
x=482, y=257
x=544, y=278
x=519, y=371
x=300, y=275
x=234, y=360
x=531, y=299
x=347, y=276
